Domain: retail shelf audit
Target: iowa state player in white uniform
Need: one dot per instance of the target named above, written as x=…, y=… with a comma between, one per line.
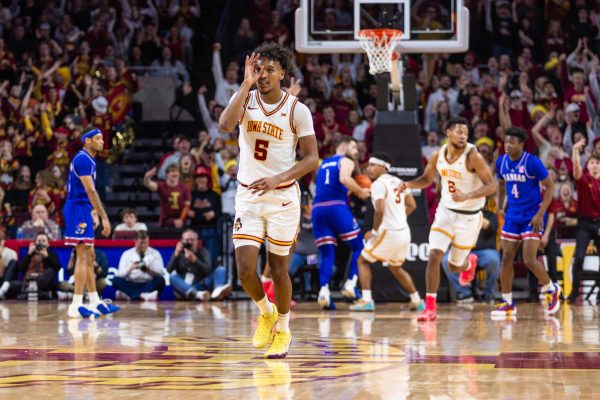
x=390, y=237
x=466, y=181
x=272, y=122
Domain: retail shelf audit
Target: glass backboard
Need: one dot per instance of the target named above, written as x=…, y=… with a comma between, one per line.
x=331, y=26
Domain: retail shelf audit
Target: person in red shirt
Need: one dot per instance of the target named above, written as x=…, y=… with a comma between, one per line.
x=329, y=124
x=588, y=211
x=576, y=93
x=565, y=211
x=175, y=197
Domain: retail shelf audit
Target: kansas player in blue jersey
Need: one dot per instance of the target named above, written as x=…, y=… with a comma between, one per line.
x=520, y=175
x=82, y=199
x=332, y=217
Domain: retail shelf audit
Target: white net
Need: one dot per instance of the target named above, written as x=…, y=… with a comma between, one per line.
x=379, y=45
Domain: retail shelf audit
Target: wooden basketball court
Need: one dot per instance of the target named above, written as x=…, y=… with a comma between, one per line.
x=182, y=350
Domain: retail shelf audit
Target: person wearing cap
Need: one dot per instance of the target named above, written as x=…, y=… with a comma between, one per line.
x=205, y=212
x=588, y=211
x=485, y=145
x=101, y=120
x=82, y=199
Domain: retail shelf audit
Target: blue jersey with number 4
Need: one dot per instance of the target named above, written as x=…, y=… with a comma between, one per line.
x=329, y=188
x=522, y=177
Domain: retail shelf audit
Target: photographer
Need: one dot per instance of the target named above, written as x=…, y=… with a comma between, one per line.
x=191, y=271
x=100, y=271
x=141, y=270
x=40, y=264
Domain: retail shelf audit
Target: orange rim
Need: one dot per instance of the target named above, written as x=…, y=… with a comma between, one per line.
x=389, y=34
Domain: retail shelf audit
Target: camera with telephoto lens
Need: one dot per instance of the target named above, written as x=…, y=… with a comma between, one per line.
x=39, y=247
x=142, y=264
x=187, y=245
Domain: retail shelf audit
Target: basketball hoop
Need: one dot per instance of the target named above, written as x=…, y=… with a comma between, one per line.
x=379, y=45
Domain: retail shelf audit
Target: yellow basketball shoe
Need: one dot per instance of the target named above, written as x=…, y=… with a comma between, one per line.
x=280, y=346
x=264, y=330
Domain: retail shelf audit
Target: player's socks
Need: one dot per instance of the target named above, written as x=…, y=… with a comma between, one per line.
x=265, y=279
x=366, y=295
x=265, y=306
x=416, y=303
x=548, y=287
x=4, y=289
x=349, y=290
x=325, y=299
x=415, y=298
x=507, y=297
x=327, y=259
x=94, y=298
x=283, y=322
x=77, y=299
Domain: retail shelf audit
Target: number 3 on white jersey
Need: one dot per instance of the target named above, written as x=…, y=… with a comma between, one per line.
x=515, y=191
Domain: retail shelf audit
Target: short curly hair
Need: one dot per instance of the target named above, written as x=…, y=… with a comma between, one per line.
x=276, y=52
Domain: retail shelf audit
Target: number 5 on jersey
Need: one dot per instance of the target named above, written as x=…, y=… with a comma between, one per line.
x=261, y=149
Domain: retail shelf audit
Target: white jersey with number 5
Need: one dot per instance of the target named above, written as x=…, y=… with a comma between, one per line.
x=387, y=187
x=269, y=134
x=455, y=176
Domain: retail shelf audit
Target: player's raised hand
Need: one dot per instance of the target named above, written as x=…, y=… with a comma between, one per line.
x=106, y=227
x=152, y=172
x=459, y=196
x=295, y=86
x=253, y=70
x=579, y=145
x=263, y=185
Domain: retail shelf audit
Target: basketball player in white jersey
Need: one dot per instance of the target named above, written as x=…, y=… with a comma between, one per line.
x=390, y=236
x=272, y=122
x=466, y=181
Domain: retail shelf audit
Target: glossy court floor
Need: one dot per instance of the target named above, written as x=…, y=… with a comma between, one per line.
x=183, y=350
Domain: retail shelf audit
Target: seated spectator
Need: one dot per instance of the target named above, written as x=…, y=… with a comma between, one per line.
x=8, y=265
x=174, y=196
x=40, y=221
x=100, y=270
x=130, y=221
x=489, y=260
x=40, y=264
x=205, y=212
x=141, y=271
x=192, y=275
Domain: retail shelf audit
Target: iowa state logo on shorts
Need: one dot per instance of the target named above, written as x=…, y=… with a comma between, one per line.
x=238, y=225
x=80, y=228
